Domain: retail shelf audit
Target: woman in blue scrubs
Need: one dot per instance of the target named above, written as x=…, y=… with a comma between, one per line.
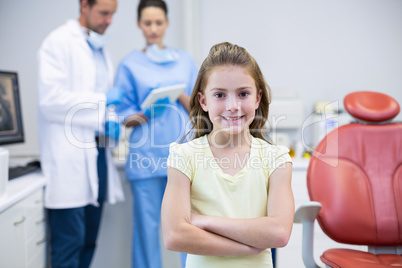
x=156, y=65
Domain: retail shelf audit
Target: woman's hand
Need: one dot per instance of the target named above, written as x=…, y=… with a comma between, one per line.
x=185, y=101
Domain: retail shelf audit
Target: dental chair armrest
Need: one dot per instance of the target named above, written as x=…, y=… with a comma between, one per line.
x=306, y=214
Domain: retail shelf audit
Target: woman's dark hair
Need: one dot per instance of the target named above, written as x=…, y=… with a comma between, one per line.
x=151, y=3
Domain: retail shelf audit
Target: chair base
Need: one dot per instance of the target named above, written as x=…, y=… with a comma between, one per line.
x=344, y=258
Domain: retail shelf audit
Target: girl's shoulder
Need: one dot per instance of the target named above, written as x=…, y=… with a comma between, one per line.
x=265, y=148
x=190, y=148
x=271, y=156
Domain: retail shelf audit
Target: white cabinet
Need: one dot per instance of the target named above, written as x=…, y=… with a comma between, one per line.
x=22, y=233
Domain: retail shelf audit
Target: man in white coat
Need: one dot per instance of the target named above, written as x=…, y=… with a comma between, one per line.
x=77, y=131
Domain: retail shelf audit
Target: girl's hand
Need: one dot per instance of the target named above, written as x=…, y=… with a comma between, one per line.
x=255, y=251
x=198, y=220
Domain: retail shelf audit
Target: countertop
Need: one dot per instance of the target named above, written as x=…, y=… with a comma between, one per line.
x=19, y=188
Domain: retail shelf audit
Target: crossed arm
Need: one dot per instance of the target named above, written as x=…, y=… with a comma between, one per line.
x=192, y=233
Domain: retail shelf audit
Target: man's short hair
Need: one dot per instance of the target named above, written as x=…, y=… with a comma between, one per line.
x=90, y=2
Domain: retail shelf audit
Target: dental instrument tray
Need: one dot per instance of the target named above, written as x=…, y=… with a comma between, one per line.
x=172, y=92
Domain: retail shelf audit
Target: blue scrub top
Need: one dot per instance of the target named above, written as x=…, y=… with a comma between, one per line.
x=149, y=143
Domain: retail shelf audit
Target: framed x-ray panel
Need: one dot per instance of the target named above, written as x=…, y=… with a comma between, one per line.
x=11, y=128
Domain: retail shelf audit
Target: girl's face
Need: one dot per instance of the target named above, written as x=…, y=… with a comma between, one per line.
x=153, y=24
x=230, y=98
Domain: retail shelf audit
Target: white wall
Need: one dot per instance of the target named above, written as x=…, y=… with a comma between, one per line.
x=25, y=23
x=321, y=49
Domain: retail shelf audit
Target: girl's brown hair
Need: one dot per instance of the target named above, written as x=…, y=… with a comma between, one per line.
x=232, y=55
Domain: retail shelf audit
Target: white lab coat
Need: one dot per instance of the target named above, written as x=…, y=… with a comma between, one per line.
x=70, y=113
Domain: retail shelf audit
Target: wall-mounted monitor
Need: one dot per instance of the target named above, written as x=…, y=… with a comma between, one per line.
x=11, y=127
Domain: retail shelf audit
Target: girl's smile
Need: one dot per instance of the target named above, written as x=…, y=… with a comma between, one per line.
x=233, y=119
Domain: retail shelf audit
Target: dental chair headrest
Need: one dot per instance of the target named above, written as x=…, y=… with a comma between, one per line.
x=371, y=107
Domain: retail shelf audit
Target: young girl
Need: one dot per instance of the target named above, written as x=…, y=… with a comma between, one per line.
x=228, y=199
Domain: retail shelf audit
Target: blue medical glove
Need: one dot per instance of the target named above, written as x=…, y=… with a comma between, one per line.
x=112, y=130
x=157, y=108
x=114, y=96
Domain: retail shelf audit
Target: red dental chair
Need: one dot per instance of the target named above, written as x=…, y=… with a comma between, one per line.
x=354, y=181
